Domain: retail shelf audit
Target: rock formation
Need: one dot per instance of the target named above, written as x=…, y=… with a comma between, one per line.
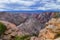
x=18, y=18
x=30, y=24
x=10, y=32
x=51, y=31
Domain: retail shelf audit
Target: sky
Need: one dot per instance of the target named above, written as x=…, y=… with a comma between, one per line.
x=29, y=5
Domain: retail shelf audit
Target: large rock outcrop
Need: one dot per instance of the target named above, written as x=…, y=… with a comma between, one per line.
x=51, y=31
x=10, y=32
x=35, y=22
x=31, y=26
x=27, y=24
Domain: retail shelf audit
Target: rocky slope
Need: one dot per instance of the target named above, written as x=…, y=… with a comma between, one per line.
x=10, y=32
x=51, y=31
x=13, y=18
x=18, y=18
x=25, y=24
x=29, y=23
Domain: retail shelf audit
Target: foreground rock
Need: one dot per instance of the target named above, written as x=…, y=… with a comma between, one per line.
x=10, y=32
x=52, y=30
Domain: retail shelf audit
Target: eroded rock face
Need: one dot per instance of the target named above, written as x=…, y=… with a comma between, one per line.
x=19, y=18
x=27, y=24
x=35, y=22
x=31, y=26
x=13, y=18
x=52, y=30
x=10, y=32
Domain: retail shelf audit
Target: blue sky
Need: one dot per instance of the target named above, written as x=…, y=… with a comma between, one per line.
x=29, y=5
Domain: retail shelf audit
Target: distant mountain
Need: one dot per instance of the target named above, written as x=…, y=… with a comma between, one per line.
x=20, y=17
x=14, y=18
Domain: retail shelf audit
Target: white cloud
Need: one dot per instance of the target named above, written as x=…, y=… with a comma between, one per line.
x=4, y=1
x=13, y=1
x=23, y=8
x=25, y=4
x=52, y=6
x=2, y=10
x=36, y=0
x=58, y=0
x=49, y=6
x=43, y=8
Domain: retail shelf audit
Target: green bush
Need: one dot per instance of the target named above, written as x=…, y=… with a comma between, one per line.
x=25, y=37
x=2, y=28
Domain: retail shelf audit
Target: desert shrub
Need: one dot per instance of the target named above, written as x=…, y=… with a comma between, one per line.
x=2, y=28
x=25, y=37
